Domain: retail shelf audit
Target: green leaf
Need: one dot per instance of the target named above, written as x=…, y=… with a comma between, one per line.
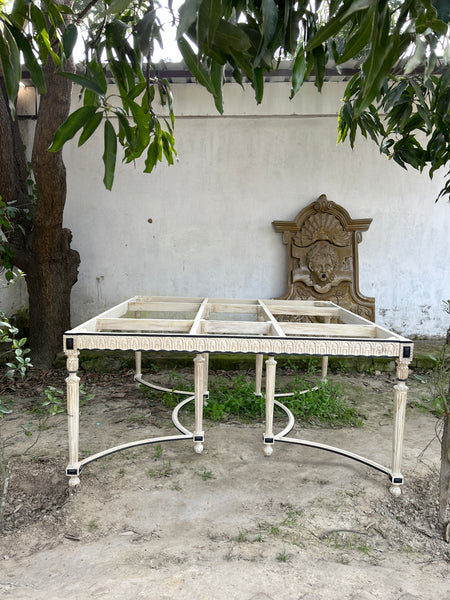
x=242, y=63
x=124, y=127
x=392, y=97
x=269, y=27
x=152, y=157
x=292, y=32
x=85, y=82
x=381, y=43
x=10, y=60
x=69, y=128
x=443, y=9
x=336, y=24
x=426, y=117
x=144, y=30
x=377, y=67
x=258, y=83
x=194, y=66
x=217, y=72
x=19, y=12
x=419, y=93
x=123, y=75
x=300, y=70
x=140, y=116
x=444, y=81
x=98, y=75
x=137, y=90
x=209, y=16
x=359, y=39
x=168, y=147
x=320, y=60
x=69, y=39
x=37, y=18
x=90, y=127
x=109, y=154
x=54, y=13
x=37, y=76
x=270, y=20
x=231, y=37
x=439, y=27
x=116, y=6
x=90, y=98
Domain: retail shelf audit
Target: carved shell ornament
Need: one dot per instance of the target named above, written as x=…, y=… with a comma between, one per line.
x=322, y=227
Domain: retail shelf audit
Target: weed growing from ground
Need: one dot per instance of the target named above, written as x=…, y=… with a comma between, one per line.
x=284, y=556
x=325, y=405
x=206, y=475
x=92, y=525
x=165, y=470
x=157, y=451
x=236, y=399
x=242, y=537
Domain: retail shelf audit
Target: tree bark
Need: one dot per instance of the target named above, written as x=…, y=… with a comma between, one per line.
x=13, y=174
x=444, y=477
x=41, y=245
x=53, y=270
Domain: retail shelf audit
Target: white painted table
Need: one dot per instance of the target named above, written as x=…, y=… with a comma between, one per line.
x=261, y=327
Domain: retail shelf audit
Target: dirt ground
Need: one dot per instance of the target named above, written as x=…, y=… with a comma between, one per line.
x=162, y=522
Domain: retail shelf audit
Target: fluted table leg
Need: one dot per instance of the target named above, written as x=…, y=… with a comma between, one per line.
x=199, y=372
x=400, y=396
x=73, y=414
x=258, y=373
x=271, y=365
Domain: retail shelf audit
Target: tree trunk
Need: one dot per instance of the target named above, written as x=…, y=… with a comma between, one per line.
x=41, y=245
x=13, y=168
x=53, y=269
x=444, y=478
x=50, y=279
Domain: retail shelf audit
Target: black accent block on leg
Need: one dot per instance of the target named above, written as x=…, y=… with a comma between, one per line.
x=398, y=479
x=70, y=471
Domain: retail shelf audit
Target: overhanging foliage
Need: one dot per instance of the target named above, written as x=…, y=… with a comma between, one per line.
x=402, y=47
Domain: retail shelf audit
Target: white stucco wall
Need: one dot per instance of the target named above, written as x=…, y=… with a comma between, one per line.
x=211, y=232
